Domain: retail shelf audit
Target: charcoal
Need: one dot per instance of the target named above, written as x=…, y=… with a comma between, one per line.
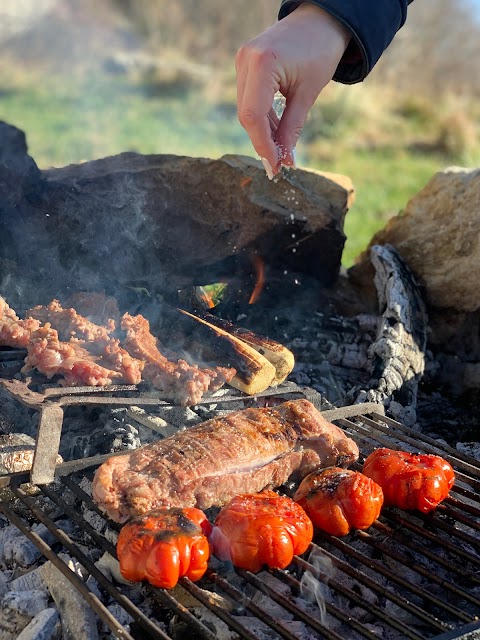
x=28, y=581
x=78, y=619
x=42, y=627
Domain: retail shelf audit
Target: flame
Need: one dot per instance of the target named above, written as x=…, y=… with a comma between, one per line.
x=204, y=298
x=260, y=282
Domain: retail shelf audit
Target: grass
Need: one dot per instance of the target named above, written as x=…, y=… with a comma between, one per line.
x=97, y=116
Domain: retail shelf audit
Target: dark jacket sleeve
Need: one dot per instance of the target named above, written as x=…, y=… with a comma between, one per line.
x=372, y=23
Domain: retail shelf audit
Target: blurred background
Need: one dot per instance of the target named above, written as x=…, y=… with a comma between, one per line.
x=87, y=79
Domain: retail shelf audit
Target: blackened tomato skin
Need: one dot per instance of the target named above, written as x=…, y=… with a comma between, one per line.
x=339, y=500
x=164, y=545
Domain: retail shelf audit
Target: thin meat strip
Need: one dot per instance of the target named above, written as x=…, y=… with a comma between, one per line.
x=69, y=324
x=243, y=452
x=185, y=383
x=109, y=364
x=13, y=331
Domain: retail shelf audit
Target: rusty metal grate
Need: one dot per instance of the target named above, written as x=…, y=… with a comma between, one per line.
x=409, y=576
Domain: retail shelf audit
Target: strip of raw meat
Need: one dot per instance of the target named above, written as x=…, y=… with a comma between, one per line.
x=69, y=323
x=209, y=464
x=110, y=364
x=183, y=382
x=13, y=331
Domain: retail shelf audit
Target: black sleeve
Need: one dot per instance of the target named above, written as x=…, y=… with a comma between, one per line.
x=372, y=23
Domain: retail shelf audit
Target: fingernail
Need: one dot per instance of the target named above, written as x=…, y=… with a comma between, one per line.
x=268, y=168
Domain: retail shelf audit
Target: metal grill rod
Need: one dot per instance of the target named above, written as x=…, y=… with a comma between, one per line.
x=375, y=564
x=362, y=578
x=105, y=615
x=351, y=595
x=315, y=623
x=446, y=544
x=67, y=542
x=460, y=461
x=107, y=546
x=164, y=596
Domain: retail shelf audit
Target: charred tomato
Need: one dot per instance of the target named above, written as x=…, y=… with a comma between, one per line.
x=164, y=545
x=338, y=500
x=254, y=530
x=410, y=481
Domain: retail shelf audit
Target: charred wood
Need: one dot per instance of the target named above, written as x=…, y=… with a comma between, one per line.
x=398, y=352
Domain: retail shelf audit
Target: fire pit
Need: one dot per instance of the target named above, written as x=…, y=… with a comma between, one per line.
x=361, y=353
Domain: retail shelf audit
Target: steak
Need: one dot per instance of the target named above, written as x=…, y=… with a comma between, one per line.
x=243, y=452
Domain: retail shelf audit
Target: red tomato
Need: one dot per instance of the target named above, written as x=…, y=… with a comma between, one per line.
x=338, y=500
x=410, y=481
x=164, y=545
x=254, y=530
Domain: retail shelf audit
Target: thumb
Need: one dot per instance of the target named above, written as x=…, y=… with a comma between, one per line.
x=291, y=125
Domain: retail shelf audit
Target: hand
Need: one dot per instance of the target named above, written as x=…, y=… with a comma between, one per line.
x=296, y=56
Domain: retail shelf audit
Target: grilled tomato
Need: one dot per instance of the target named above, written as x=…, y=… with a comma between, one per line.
x=164, y=545
x=338, y=500
x=410, y=481
x=254, y=530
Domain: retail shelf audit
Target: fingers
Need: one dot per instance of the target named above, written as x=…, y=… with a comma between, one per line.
x=291, y=125
x=255, y=92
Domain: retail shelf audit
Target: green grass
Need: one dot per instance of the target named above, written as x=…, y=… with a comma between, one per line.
x=67, y=122
x=384, y=182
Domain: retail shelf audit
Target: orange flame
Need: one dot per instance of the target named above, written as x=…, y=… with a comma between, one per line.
x=259, y=284
x=205, y=298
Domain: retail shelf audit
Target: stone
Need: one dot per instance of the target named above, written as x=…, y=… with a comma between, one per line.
x=438, y=235
x=160, y=223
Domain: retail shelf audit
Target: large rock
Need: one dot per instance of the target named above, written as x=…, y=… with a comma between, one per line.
x=165, y=222
x=438, y=235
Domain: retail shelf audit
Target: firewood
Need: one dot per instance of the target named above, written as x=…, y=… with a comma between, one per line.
x=282, y=358
x=187, y=333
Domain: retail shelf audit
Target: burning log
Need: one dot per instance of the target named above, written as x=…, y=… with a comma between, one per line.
x=254, y=372
x=282, y=358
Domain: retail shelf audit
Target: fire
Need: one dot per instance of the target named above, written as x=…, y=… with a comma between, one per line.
x=204, y=297
x=260, y=282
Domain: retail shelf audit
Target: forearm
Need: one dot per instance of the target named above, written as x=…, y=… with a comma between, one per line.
x=372, y=24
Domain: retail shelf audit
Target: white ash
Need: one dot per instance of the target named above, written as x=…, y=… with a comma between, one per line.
x=264, y=632
x=78, y=619
x=214, y=623
x=469, y=448
x=25, y=602
x=4, y=582
x=110, y=567
x=29, y=581
x=12, y=623
x=16, y=549
x=119, y=613
x=94, y=587
x=44, y=626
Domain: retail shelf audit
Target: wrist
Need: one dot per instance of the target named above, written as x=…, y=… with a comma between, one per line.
x=311, y=11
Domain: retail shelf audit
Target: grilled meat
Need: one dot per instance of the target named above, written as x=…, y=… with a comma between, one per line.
x=70, y=324
x=13, y=331
x=243, y=452
x=181, y=381
x=107, y=365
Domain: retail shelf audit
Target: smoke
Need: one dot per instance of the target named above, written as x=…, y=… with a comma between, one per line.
x=314, y=590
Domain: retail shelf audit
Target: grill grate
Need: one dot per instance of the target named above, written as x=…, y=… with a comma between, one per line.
x=409, y=576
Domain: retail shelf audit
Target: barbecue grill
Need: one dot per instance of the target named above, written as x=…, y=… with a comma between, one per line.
x=408, y=576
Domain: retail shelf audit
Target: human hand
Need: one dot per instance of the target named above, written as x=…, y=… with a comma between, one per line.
x=297, y=56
